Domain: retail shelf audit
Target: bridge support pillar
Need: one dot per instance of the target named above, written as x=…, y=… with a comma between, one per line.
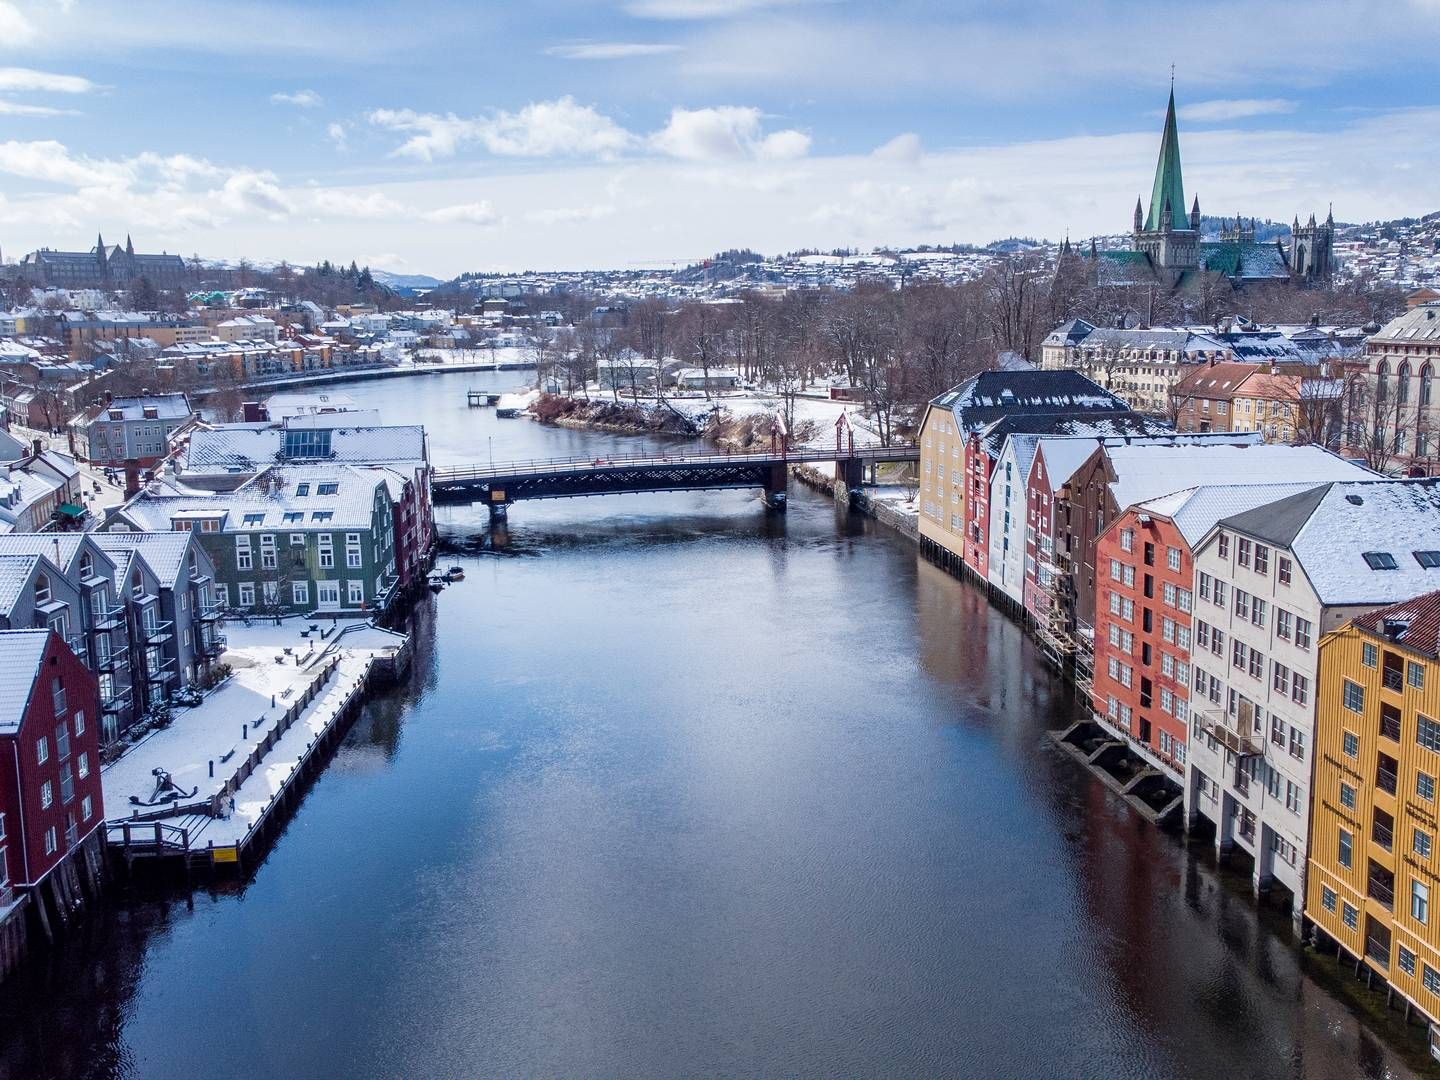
x=849, y=476
x=499, y=513
x=776, y=480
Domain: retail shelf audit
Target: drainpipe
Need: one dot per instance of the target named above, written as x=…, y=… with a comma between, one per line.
x=20, y=802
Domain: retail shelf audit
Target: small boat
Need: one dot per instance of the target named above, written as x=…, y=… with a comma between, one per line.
x=456, y=573
x=437, y=581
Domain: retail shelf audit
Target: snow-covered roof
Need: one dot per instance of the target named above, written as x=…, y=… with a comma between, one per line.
x=1332, y=528
x=1144, y=472
x=1195, y=510
x=166, y=406
x=21, y=654
x=1418, y=324
x=15, y=571
x=296, y=503
x=163, y=552
x=233, y=449
x=991, y=395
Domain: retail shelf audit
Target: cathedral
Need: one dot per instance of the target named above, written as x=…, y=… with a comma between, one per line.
x=1166, y=246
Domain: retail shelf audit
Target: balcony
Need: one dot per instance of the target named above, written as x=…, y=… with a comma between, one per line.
x=111, y=618
x=210, y=613
x=154, y=633
x=1391, y=679
x=1378, y=950
x=1383, y=835
x=113, y=662
x=1216, y=724
x=1386, y=769
x=1390, y=723
x=118, y=701
x=212, y=645
x=1381, y=887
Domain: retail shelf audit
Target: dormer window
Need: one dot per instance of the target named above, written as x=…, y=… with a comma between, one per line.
x=87, y=566
x=137, y=585
x=1380, y=560
x=1428, y=559
x=302, y=490
x=42, y=588
x=254, y=519
x=327, y=487
x=150, y=412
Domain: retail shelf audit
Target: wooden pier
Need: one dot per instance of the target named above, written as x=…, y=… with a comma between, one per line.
x=479, y=398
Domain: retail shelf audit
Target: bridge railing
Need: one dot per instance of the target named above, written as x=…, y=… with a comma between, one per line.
x=533, y=466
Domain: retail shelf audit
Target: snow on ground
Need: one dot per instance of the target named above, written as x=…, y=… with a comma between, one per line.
x=506, y=354
x=823, y=412
x=262, y=673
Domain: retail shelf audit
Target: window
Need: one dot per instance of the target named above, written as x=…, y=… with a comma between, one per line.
x=1406, y=959
x=1299, y=689
x=242, y=553
x=1257, y=611
x=1327, y=898
x=1380, y=560
x=1238, y=653
x=352, y=550
x=1351, y=744
x=293, y=517
x=1347, y=796
x=247, y=594
x=1415, y=674
x=1222, y=545
x=322, y=515
x=327, y=551
x=1419, y=901
x=82, y=765
x=1425, y=786
x=47, y=795
x=1129, y=576
x=267, y=552
x=87, y=808
x=1185, y=601
x=1242, y=551
x=1127, y=539
x=1242, y=604
x=356, y=597
x=302, y=490
x=1219, y=593
x=1345, y=855
x=326, y=487
x=1262, y=559
x=1297, y=743
x=297, y=539
x=1420, y=843
x=51, y=845
x=1369, y=654
x=42, y=750
x=1427, y=732
x=1167, y=629
x=1302, y=632
x=1257, y=665
x=1114, y=603
x=222, y=595
x=1354, y=697
x=1431, y=980
x=253, y=519
x=1172, y=558
x=1428, y=559
x=79, y=723
x=1292, y=796
x=1204, y=586
x=300, y=592
x=1285, y=570
x=1168, y=593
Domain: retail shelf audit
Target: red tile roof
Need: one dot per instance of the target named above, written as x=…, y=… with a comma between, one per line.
x=1413, y=623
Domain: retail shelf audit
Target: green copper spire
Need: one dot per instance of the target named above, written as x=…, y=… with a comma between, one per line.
x=1168, y=184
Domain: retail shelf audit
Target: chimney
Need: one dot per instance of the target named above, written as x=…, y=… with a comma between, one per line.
x=35, y=447
x=132, y=477
x=1315, y=319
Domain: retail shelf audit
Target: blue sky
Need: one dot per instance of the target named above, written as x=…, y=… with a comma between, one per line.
x=439, y=135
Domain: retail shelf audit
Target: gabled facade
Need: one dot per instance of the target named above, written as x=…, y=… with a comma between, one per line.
x=1272, y=581
x=51, y=802
x=1374, y=877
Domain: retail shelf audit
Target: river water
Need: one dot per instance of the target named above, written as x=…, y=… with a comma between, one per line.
x=677, y=788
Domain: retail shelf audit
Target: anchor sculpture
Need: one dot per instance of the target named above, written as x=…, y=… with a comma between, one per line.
x=165, y=791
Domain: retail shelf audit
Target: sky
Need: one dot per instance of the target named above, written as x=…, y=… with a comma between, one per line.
x=441, y=136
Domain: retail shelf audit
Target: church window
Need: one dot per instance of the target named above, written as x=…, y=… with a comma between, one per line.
x=1402, y=383
x=1427, y=378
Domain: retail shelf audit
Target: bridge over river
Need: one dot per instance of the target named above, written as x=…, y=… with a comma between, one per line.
x=500, y=484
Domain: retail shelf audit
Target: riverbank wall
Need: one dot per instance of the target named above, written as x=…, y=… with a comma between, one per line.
x=360, y=374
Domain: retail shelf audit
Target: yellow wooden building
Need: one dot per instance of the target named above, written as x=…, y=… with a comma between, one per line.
x=1374, y=879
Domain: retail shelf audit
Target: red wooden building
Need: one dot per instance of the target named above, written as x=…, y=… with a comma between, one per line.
x=50, y=795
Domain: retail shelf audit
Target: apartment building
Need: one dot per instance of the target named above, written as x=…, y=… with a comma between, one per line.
x=957, y=466
x=1271, y=581
x=129, y=429
x=1374, y=876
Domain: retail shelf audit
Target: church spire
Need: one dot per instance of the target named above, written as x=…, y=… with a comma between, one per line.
x=1169, y=187
x=1139, y=214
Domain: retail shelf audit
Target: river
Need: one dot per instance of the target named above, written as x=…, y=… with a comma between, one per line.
x=678, y=788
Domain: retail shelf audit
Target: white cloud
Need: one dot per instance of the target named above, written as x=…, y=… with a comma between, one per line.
x=256, y=193
x=15, y=28
x=1206, y=112
x=725, y=133
x=365, y=205
x=474, y=213
x=569, y=215
x=609, y=50
x=904, y=148
x=339, y=134
x=301, y=99
x=560, y=128
x=21, y=79
x=12, y=108
x=703, y=9
x=51, y=162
